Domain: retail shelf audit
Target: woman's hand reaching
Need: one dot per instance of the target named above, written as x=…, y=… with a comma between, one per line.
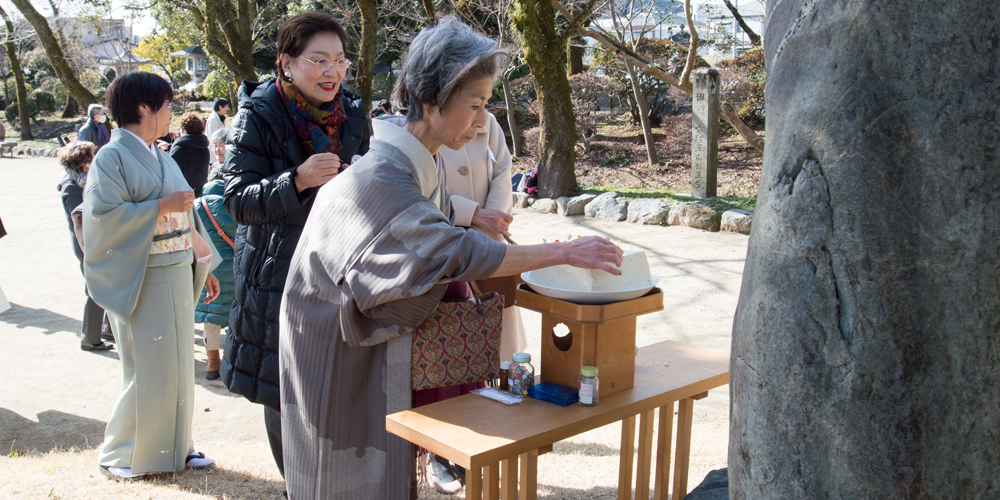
x=319, y=169
x=211, y=288
x=176, y=202
x=594, y=252
x=492, y=221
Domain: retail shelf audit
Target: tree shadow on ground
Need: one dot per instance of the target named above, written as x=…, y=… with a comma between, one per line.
x=586, y=449
x=23, y=317
x=220, y=482
x=54, y=429
x=559, y=493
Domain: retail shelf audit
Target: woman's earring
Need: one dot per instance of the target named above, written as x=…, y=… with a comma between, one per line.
x=288, y=75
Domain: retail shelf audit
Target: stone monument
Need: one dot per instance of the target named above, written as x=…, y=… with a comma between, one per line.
x=704, y=132
x=866, y=353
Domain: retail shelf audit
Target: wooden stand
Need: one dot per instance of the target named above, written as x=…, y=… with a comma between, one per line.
x=599, y=335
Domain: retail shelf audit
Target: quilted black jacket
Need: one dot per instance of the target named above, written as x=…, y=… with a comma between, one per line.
x=262, y=153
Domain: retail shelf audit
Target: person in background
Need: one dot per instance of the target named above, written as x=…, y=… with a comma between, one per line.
x=76, y=158
x=384, y=107
x=217, y=121
x=95, y=130
x=290, y=137
x=222, y=228
x=146, y=257
x=218, y=139
x=190, y=151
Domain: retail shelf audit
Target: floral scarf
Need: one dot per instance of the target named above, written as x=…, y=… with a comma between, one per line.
x=317, y=127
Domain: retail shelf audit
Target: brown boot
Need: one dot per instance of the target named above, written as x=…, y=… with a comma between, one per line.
x=212, y=372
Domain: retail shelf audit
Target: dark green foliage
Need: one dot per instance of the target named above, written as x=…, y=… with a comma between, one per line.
x=11, y=113
x=45, y=102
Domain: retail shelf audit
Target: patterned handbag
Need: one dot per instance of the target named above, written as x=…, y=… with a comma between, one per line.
x=459, y=343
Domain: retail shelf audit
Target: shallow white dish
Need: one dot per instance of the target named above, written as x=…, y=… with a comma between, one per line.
x=590, y=297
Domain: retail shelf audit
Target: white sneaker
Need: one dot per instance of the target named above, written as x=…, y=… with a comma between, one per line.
x=199, y=461
x=120, y=473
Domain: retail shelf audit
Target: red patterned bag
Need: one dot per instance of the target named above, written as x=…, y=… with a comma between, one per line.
x=459, y=343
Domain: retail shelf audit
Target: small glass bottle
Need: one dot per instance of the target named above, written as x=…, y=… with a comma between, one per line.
x=521, y=375
x=589, y=386
x=504, y=370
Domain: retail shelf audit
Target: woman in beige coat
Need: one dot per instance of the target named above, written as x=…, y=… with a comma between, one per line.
x=478, y=179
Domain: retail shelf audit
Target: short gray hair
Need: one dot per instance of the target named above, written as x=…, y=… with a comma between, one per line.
x=441, y=60
x=219, y=135
x=93, y=109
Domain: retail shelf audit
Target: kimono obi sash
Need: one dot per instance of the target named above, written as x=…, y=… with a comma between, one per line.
x=172, y=234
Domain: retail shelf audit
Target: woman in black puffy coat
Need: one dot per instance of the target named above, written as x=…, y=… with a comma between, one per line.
x=289, y=137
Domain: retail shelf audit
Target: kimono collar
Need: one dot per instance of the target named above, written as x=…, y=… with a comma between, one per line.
x=424, y=165
x=126, y=137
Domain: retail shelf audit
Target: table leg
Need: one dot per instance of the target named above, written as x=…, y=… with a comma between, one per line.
x=508, y=478
x=529, y=475
x=491, y=482
x=645, y=454
x=625, y=460
x=661, y=488
x=474, y=484
x=685, y=411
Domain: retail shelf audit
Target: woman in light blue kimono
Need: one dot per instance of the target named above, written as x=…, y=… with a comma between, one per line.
x=146, y=258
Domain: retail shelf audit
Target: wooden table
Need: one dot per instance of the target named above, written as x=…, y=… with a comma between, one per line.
x=493, y=441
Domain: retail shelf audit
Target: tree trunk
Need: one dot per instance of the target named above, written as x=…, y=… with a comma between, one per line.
x=535, y=21
x=229, y=34
x=515, y=129
x=55, y=54
x=647, y=129
x=865, y=353
x=574, y=54
x=369, y=49
x=20, y=89
x=429, y=10
x=72, y=107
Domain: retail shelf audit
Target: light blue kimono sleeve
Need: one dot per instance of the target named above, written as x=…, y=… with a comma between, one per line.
x=117, y=234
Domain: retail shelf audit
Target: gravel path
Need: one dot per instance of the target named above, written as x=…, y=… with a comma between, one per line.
x=55, y=398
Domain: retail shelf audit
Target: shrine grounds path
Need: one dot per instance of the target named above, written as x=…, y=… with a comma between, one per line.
x=55, y=399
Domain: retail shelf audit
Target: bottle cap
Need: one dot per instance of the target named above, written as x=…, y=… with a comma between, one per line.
x=504, y=365
x=588, y=371
x=522, y=357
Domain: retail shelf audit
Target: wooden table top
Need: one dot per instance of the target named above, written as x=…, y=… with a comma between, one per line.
x=473, y=431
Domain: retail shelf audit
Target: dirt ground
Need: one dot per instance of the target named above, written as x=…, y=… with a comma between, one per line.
x=55, y=399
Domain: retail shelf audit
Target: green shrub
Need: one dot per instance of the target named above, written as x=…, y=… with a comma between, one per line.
x=12, y=114
x=743, y=83
x=44, y=101
x=217, y=84
x=181, y=77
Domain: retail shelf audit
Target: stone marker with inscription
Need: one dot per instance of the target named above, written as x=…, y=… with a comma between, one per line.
x=704, y=132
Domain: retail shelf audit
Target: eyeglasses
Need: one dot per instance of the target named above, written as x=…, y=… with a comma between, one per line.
x=324, y=64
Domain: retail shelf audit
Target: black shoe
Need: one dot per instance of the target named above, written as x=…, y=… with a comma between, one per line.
x=108, y=337
x=211, y=375
x=103, y=346
x=444, y=477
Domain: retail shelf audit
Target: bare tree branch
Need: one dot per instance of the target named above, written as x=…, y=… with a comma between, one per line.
x=648, y=68
x=692, y=47
x=754, y=37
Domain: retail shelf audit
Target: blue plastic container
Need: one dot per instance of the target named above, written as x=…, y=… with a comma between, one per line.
x=554, y=393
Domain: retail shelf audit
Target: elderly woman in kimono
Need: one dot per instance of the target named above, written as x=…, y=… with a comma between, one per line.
x=375, y=258
x=140, y=239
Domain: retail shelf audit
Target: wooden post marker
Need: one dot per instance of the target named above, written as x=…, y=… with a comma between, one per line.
x=705, y=133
